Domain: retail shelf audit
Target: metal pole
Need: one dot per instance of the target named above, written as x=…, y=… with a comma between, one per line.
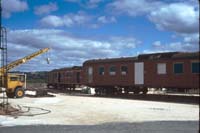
x=3, y=62
x=0, y=22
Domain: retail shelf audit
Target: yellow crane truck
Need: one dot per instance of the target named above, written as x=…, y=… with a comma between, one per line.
x=15, y=83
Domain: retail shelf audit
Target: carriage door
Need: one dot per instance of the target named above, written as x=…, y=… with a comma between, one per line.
x=90, y=74
x=59, y=77
x=78, y=77
x=139, y=73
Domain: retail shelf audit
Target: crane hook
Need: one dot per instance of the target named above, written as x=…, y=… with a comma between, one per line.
x=48, y=60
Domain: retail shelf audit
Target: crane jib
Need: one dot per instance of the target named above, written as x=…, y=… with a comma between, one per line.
x=23, y=60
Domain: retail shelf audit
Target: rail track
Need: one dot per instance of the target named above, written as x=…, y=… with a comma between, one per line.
x=160, y=97
x=177, y=98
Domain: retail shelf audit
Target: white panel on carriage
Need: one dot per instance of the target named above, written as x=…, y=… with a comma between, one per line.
x=90, y=74
x=139, y=73
x=161, y=68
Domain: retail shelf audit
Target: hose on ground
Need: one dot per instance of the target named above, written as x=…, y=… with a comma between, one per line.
x=21, y=112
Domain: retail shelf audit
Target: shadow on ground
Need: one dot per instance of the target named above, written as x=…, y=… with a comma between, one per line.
x=148, y=97
x=142, y=127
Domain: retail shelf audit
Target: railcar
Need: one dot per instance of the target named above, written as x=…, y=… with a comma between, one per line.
x=172, y=70
x=65, y=78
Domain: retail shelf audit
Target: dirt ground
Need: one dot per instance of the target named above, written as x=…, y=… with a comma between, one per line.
x=64, y=109
x=7, y=110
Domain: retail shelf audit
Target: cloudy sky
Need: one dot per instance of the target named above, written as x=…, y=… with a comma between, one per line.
x=78, y=30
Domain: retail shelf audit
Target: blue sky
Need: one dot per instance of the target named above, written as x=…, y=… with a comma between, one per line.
x=78, y=30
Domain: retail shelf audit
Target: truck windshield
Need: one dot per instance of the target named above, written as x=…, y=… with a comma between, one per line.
x=13, y=79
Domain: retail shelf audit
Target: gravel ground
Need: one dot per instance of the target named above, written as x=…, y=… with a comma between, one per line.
x=99, y=113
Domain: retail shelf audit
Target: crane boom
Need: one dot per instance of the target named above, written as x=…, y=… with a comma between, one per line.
x=23, y=60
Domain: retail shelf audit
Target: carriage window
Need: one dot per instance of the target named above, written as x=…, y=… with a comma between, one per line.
x=195, y=67
x=161, y=68
x=112, y=70
x=62, y=75
x=124, y=70
x=101, y=70
x=178, y=68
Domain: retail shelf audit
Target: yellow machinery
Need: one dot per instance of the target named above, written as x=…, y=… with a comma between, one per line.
x=15, y=83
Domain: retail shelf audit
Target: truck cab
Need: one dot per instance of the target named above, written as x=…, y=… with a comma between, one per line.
x=16, y=85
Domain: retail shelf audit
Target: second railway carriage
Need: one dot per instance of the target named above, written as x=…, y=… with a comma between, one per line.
x=109, y=75
x=65, y=78
x=174, y=70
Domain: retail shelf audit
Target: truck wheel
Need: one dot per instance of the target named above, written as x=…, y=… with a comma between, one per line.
x=19, y=92
x=10, y=95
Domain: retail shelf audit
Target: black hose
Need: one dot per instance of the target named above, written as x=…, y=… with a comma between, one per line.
x=22, y=113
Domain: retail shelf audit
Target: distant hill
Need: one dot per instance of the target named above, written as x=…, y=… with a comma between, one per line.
x=36, y=77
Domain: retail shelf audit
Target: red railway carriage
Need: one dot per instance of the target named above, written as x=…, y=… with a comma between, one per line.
x=171, y=70
x=106, y=74
x=160, y=70
x=65, y=77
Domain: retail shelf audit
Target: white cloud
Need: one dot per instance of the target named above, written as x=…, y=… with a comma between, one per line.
x=66, y=20
x=79, y=18
x=125, y=42
x=11, y=6
x=72, y=0
x=192, y=38
x=189, y=43
x=157, y=46
x=133, y=7
x=45, y=9
x=177, y=17
x=52, y=20
x=104, y=19
x=67, y=50
x=87, y=3
x=181, y=18
x=93, y=3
